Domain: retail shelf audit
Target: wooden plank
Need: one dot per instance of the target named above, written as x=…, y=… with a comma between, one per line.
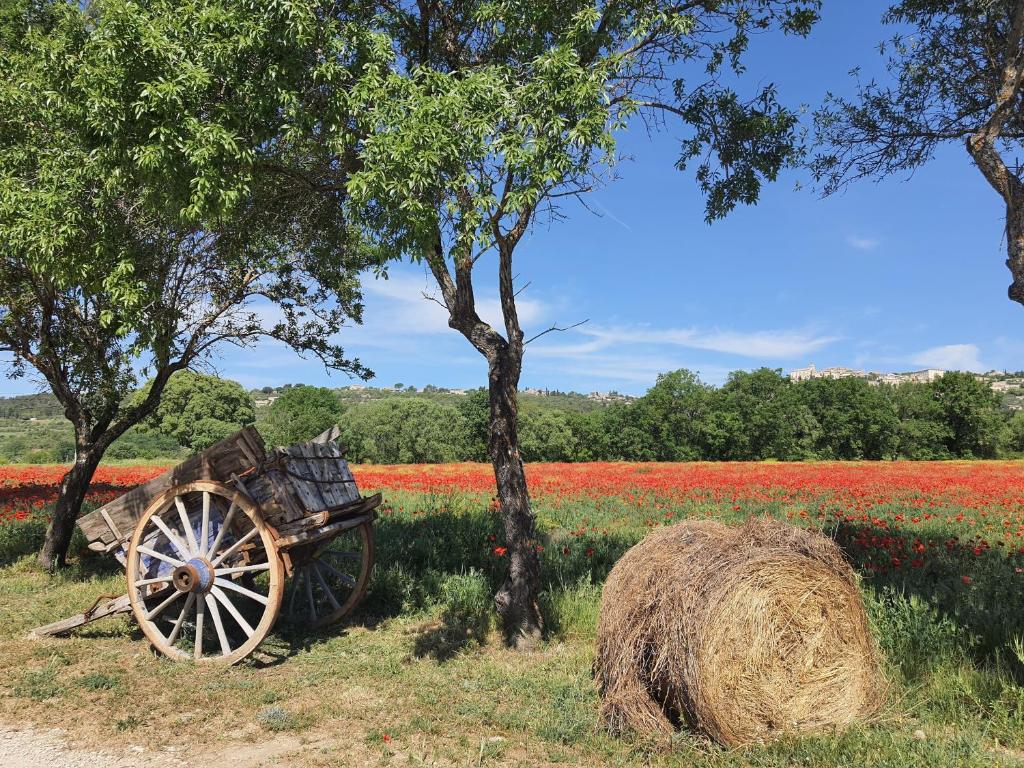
x=324, y=532
x=298, y=469
x=360, y=506
x=286, y=505
x=101, y=610
x=328, y=436
x=224, y=458
x=322, y=471
x=316, y=520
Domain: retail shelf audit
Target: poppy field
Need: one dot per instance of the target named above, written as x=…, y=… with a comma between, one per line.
x=939, y=547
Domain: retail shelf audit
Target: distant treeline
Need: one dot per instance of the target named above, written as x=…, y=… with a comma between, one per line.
x=754, y=416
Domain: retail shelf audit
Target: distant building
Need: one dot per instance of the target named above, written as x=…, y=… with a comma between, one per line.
x=841, y=372
x=873, y=377
x=835, y=372
x=926, y=376
x=803, y=374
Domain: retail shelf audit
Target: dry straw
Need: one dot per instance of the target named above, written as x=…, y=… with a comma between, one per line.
x=740, y=633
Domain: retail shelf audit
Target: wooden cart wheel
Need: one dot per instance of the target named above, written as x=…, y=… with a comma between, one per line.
x=329, y=578
x=204, y=577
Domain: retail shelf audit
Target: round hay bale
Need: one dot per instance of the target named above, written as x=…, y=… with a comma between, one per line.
x=740, y=633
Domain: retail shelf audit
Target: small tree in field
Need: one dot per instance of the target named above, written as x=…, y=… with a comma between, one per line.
x=958, y=77
x=142, y=223
x=494, y=111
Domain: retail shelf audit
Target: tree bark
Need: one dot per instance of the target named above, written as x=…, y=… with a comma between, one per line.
x=69, y=502
x=982, y=149
x=517, y=599
x=1015, y=243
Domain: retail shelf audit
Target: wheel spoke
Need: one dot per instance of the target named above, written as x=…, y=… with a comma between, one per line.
x=190, y=535
x=181, y=618
x=246, y=627
x=172, y=537
x=200, y=620
x=160, y=556
x=235, y=547
x=225, y=524
x=296, y=578
x=344, y=578
x=309, y=595
x=160, y=608
x=323, y=585
x=228, y=584
x=242, y=569
x=157, y=580
x=343, y=554
x=225, y=646
x=206, y=523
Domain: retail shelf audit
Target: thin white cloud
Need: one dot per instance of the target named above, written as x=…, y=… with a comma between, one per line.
x=862, y=243
x=951, y=357
x=638, y=368
x=772, y=344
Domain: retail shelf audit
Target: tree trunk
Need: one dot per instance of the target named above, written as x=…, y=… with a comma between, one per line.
x=69, y=503
x=1015, y=242
x=517, y=601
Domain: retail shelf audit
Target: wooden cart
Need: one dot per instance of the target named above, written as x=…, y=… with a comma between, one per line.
x=217, y=549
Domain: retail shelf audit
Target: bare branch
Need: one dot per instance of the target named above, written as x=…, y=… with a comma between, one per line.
x=554, y=328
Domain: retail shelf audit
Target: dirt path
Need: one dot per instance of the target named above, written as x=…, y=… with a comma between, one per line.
x=53, y=748
x=49, y=748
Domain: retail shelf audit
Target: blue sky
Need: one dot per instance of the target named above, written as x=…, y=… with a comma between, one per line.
x=892, y=276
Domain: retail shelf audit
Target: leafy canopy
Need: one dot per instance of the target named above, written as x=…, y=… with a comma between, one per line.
x=198, y=410
x=152, y=202
x=490, y=109
x=300, y=414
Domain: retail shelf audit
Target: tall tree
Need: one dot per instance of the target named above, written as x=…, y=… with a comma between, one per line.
x=765, y=417
x=138, y=232
x=858, y=420
x=492, y=112
x=957, y=70
x=972, y=415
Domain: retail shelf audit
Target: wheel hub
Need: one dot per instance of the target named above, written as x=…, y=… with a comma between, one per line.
x=194, y=576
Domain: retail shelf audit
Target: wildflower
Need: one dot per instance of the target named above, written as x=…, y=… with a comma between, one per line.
x=500, y=551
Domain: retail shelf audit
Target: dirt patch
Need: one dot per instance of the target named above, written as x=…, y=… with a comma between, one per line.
x=55, y=748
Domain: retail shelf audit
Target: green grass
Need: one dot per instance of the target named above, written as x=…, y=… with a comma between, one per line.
x=421, y=677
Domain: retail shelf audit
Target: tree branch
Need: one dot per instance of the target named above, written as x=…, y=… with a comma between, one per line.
x=554, y=328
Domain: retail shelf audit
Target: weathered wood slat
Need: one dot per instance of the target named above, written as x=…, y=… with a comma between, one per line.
x=230, y=456
x=323, y=470
x=298, y=469
x=324, y=532
x=320, y=519
x=110, y=608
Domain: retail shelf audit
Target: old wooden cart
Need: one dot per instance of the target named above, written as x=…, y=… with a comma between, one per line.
x=217, y=548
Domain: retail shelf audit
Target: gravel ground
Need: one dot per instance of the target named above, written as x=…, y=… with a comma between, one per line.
x=31, y=748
